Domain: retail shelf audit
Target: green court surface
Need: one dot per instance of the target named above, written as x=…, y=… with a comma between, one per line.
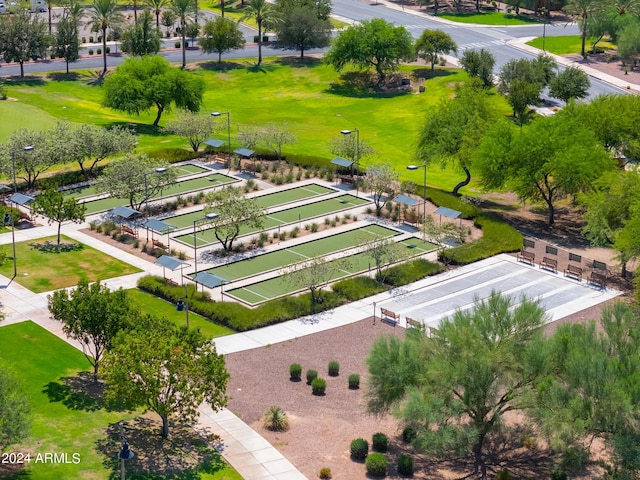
x=177, y=188
x=283, y=217
x=298, y=253
x=284, y=285
x=265, y=201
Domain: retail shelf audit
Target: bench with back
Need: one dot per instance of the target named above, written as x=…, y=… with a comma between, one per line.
x=389, y=316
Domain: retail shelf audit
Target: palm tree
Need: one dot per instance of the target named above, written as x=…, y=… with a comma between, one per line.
x=264, y=15
x=156, y=7
x=103, y=14
x=183, y=10
x=583, y=9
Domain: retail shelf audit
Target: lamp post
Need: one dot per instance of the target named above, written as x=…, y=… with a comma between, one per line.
x=146, y=196
x=13, y=220
x=228, y=114
x=424, y=186
x=184, y=305
x=208, y=216
x=357, y=157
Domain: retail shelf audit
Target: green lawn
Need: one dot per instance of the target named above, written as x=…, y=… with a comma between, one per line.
x=68, y=413
x=158, y=307
x=489, y=18
x=42, y=268
x=567, y=44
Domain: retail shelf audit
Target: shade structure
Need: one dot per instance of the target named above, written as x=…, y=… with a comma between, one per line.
x=159, y=226
x=172, y=263
x=125, y=212
x=209, y=280
x=447, y=212
x=244, y=152
x=406, y=200
x=342, y=162
x=21, y=199
x=212, y=142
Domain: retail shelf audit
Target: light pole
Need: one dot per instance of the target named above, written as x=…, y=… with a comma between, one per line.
x=228, y=114
x=208, y=216
x=357, y=157
x=146, y=196
x=11, y=213
x=184, y=305
x=424, y=186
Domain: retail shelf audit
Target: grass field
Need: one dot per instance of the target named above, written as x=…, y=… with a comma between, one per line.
x=67, y=417
x=567, y=44
x=295, y=254
x=158, y=307
x=489, y=18
x=42, y=268
x=269, y=200
x=287, y=284
x=302, y=213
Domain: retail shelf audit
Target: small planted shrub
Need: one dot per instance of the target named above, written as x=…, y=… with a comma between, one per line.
x=99, y=51
x=376, y=464
x=409, y=434
x=108, y=50
x=557, y=475
x=325, y=473
x=318, y=386
x=177, y=44
x=334, y=368
x=91, y=39
x=405, y=465
x=359, y=449
x=314, y=227
x=295, y=372
x=354, y=381
x=91, y=51
x=503, y=475
x=380, y=442
x=311, y=376
x=276, y=420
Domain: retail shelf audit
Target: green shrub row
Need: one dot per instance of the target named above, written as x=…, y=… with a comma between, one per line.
x=357, y=288
x=449, y=200
x=174, y=155
x=410, y=272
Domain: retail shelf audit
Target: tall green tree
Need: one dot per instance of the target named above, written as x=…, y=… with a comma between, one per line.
x=57, y=209
x=92, y=314
x=322, y=8
x=166, y=369
x=91, y=144
x=103, y=15
x=185, y=10
x=66, y=43
x=375, y=44
x=381, y=179
x=140, y=84
x=141, y=38
x=583, y=10
x=24, y=37
x=479, y=63
x=302, y=29
x=15, y=417
x=220, y=35
x=194, y=127
x=570, y=84
x=434, y=43
x=275, y=135
x=263, y=13
x=456, y=386
x=156, y=7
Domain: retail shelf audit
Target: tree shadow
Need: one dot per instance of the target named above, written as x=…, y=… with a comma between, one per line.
x=140, y=128
x=77, y=393
x=362, y=85
x=297, y=62
x=223, y=66
x=52, y=247
x=65, y=77
x=427, y=73
x=16, y=81
x=259, y=68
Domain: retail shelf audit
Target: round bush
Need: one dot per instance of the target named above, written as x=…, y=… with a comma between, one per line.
x=359, y=449
x=91, y=51
x=311, y=375
x=325, y=473
x=354, y=381
x=405, y=465
x=376, y=464
x=295, y=372
x=409, y=434
x=276, y=420
x=318, y=386
x=334, y=368
x=177, y=44
x=380, y=442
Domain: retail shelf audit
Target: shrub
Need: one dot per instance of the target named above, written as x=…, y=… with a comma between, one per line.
x=358, y=288
x=318, y=386
x=91, y=51
x=84, y=39
x=173, y=154
x=359, y=449
x=276, y=420
x=177, y=44
x=380, y=442
x=503, y=474
x=108, y=50
x=311, y=376
x=325, y=473
x=409, y=272
x=91, y=39
x=409, y=434
x=376, y=464
x=99, y=51
x=314, y=227
x=295, y=372
x=405, y=465
x=334, y=368
x=354, y=381
x=557, y=475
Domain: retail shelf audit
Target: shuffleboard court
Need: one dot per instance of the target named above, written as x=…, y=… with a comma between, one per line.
x=269, y=200
x=302, y=213
x=352, y=265
x=315, y=248
x=178, y=188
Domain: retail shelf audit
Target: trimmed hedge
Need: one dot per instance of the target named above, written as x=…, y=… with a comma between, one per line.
x=358, y=288
x=449, y=200
x=376, y=464
x=173, y=155
x=410, y=272
x=359, y=449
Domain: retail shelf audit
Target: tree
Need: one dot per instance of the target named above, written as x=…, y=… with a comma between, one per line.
x=167, y=369
x=91, y=144
x=157, y=7
x=275, y=135
x=24, y=37
x=92, y=315
x=14, y=408
x=184, y=10
x=456, y=386
x=570, y=84
x=373, y=44
x=479, y=63
x=432, y=44
x=628, y=43
x=125, y=178
x=382, y=180
x=442, y=234
x=301, y=29
x=142, y=83
x=383, y=251
x=583, y=9
x=321, y=8
x=234, y=211
x=141, y=38
x=193, y=30
x=53, y=205
x=66, y=43
x=263, y=13
x=220, y=35
x=350, y=147
x=195, y=128
x=168, y=20
x=313, y=276
x=103, y=15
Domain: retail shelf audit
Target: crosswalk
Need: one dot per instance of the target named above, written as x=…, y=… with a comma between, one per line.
x=479, y=45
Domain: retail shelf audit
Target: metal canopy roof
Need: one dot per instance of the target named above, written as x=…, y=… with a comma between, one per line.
x=447, y=212
x=21, y=199
x=209, y=280
x=243, y=152
x=125, y=212
x=342, y=162
x=406, y=200
x=212, y=142
x=170, y=262
x=159, y=226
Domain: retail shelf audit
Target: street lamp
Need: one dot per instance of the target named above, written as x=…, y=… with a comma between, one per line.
x=184, y=305
x=146, y=196
x=208, y=216
x=424, y=186
x=228, y=114
x=357, y=158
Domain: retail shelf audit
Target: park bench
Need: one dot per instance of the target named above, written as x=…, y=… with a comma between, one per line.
x=128, y=230
x=598, y=278
x=413, y=323
x=389, y=316
x=573, y=271
x=526, y=256
x=550, y=264
x=159, y=244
